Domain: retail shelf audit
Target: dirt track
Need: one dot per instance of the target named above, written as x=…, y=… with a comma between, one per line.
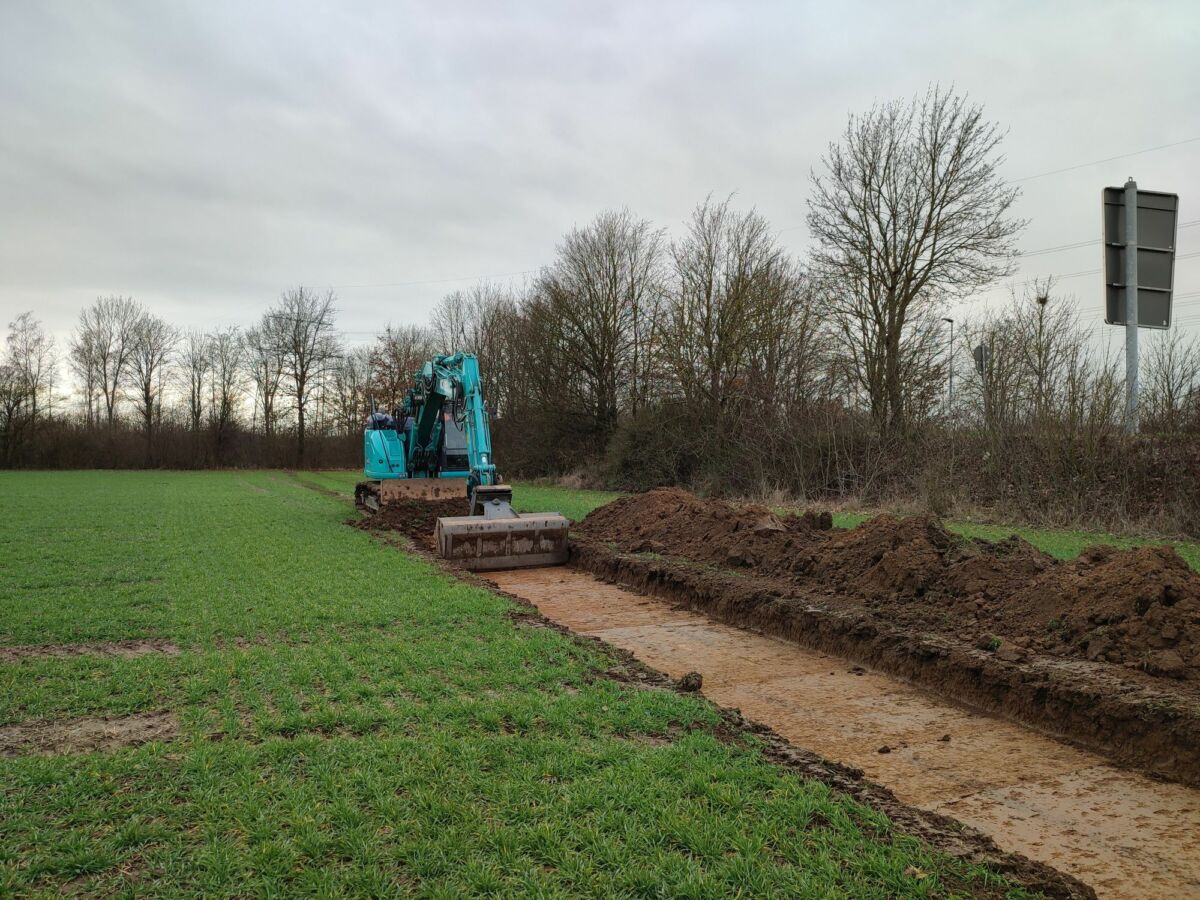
x=1123, y=833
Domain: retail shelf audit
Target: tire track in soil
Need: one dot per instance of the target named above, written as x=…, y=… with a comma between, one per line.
x=1125, y=834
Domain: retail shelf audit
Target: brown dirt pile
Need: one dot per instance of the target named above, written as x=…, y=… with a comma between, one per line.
x=673, y=522
x=414, y=518
x=1139, y=608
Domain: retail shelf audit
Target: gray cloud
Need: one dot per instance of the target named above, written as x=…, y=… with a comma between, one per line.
x=203, y=156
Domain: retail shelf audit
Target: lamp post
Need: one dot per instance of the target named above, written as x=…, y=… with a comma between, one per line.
x=950, y=401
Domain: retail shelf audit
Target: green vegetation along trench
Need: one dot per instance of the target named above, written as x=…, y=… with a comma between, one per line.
x=210, y=685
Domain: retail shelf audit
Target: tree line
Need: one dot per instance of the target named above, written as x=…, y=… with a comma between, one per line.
x=711, y=358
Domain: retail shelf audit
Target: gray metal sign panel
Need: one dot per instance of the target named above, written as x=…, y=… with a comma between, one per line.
x=1156, y=220
x=983, y=358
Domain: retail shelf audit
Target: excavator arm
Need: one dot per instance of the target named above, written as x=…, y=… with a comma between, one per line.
x=450, y=384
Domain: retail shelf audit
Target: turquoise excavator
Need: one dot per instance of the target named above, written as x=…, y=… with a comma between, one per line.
x=437, y=445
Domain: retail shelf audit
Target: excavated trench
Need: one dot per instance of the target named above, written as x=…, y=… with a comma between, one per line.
x=983, y=681
x=1123, y=833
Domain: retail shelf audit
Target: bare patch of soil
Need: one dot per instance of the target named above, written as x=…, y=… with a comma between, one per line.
x=86, y=734
x=1103, y=650
x=124, y=649
x=413, y=518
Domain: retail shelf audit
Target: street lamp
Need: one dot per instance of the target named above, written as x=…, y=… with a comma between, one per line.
x=950, y=402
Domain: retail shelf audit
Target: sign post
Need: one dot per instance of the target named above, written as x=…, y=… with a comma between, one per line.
x=1131, y=308
x=1139, y=271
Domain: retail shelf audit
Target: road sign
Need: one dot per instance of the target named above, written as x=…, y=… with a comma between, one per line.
x=983, y=358
x=1155, y=242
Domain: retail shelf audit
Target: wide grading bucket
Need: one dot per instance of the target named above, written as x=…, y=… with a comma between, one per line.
x=482, y=544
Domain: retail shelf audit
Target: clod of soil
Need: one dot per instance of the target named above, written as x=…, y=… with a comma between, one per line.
x=1137, y=608
x=692, y=681
x=86, y=734
x=413, y=518
x=124, y=649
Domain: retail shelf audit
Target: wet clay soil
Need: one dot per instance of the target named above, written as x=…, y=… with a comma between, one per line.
x=1123, y=833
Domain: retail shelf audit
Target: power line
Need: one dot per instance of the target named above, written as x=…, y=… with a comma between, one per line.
x=1027, y=253
x=1015, y=284
x=1044, y=250
x=1097, y=162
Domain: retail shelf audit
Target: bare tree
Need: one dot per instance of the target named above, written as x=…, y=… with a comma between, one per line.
x=81, y=359
x=103, y=344
x=227, y=384
x=350, y=389
x=195, y=366
x=14, y=398
x=451, y=322
x=153, y=341
x=1172, y=382
x=595, y=303
x=473, y=321
x=31, y=352
x=307, y=345
x=395, y=356
x=265, y=367
x=910, y=212
x=897, y=374
x=735, y=297
x=465, y=320
x=1046, y=336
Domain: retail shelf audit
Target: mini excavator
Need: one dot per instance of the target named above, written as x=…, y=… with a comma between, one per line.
x=438, y=445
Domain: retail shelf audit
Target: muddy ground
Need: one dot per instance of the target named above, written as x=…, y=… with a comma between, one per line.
x=1103, y=650
x=414, y=518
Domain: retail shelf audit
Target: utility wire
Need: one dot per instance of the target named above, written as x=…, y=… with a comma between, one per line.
x=1097, y=162
x=1044, y=250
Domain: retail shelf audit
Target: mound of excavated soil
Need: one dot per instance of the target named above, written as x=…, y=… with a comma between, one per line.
x=1139, y=608
x=674, y=522
x=413, y=518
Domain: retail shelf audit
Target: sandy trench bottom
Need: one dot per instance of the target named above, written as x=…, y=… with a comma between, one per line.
x=1123, y=833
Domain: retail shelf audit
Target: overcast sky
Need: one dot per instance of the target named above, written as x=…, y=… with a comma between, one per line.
x=203, y=156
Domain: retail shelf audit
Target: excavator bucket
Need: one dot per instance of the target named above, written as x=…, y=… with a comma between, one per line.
x=496, y=537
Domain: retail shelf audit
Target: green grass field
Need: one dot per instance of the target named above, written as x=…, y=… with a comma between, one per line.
x=354, y=722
